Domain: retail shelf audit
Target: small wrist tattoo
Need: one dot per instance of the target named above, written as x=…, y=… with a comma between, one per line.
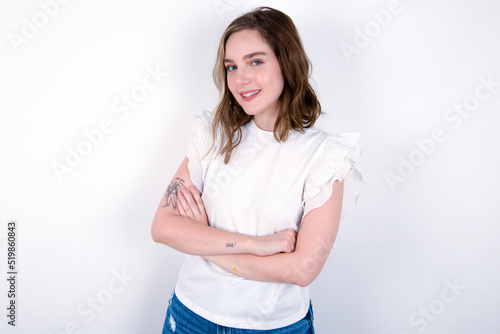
x=231, y=244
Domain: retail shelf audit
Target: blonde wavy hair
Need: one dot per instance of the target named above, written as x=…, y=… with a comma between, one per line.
x=299, y=105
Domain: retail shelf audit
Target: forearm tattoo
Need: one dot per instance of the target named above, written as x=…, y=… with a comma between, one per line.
x=171, y=197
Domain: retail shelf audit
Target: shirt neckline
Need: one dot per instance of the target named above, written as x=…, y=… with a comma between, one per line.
x=259, y=131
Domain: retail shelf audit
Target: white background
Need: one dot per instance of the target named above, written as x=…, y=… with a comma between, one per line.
x=395, y=255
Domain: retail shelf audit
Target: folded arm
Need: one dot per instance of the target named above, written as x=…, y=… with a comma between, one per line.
x=314, y=243
x=191, y=234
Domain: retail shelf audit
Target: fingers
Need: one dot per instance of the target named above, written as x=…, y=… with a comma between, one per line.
x=195, y=191
x=289, y=239
x=197, y=198
x=199, y=202
x=188, y=198
x=184, y=206
x=192, y=204
x=181, y=209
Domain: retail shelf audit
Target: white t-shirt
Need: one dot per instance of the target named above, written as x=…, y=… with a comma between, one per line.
x=266, y=187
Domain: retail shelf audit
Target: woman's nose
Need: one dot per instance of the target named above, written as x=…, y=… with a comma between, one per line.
x=243, y=76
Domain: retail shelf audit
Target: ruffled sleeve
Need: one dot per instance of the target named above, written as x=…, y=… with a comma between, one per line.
x=335, y=160
x=199, y=147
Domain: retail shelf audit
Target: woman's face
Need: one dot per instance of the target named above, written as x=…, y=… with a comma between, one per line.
x=253, y=74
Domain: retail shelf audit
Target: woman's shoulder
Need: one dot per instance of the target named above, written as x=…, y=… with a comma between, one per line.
x=315, y=136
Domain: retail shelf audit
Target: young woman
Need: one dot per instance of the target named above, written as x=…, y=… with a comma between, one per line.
x=257, y=202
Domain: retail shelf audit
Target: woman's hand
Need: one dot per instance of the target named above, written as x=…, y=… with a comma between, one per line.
x=280, y=242
x=191, y=205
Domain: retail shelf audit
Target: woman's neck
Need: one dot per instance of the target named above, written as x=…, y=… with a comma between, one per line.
x=265, y=121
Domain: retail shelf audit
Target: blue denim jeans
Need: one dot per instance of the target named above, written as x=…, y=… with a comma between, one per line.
x=181, y=320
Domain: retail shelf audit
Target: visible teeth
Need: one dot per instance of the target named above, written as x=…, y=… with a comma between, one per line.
x=250, y=94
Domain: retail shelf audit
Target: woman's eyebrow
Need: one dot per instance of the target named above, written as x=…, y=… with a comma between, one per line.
x=248, y=56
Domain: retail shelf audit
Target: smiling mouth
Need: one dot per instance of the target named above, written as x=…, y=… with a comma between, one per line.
x=251, y=93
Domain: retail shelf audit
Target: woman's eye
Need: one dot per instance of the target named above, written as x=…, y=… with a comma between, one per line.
x=256, y=62
x=231, y=68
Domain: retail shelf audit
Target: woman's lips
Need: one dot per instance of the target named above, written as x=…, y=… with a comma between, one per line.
x=249, y=95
